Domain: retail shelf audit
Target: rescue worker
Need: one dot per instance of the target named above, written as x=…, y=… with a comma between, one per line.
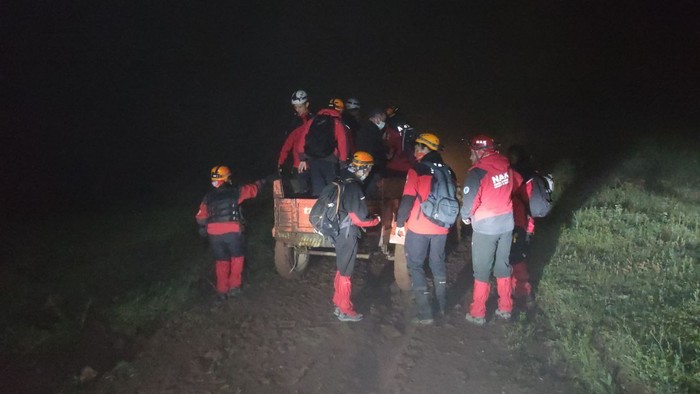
x=423, y=237
x=219, y=218
x=351, y=119
x=524, y=223
x=323, y=167
x=398, y=161
x=352, y=214
x=487, y=205
x=294, y=145
x=399, y=122
x=370, y=139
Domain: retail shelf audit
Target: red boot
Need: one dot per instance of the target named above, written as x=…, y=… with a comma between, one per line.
x=341, y=297
x=223, y=268
x=234, y=279
x=520, y=280
x=481, y=295
x=505, y=303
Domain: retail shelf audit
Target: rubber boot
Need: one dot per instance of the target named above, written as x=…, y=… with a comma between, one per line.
x=441, y=294
x=481, y=295
x=343, y=292
x=223, y=268
x=505, y=303
x=424, y=314
x=234, y=279
x=520, y=280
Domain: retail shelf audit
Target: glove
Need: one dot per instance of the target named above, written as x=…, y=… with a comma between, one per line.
x=203, y=231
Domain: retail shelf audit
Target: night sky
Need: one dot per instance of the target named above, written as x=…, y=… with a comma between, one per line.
x=114, y=101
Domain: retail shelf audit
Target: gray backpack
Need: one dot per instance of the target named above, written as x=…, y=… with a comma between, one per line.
x=441, y=207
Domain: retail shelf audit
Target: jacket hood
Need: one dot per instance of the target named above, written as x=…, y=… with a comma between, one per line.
x=329, y=112
x=494, y=163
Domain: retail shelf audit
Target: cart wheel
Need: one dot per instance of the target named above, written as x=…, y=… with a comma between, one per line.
x=401, y=269
x=286, y=257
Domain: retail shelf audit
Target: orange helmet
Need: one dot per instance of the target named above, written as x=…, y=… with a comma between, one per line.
x=362, y=159
x=430, y=140
x=220, y=173
x=337, y=104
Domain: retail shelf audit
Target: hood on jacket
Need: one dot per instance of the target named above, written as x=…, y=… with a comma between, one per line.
x=495, y=163
x=329, y=112
x=432, y=157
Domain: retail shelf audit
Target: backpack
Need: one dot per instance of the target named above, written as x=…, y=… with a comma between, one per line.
x=320, y=140
x=441, y=207
x=541, y=197
x=324, y=213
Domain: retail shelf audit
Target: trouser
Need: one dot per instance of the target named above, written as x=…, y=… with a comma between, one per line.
x=345, y=254
x=372, y=185
x=418, y=247
x=322, y=173
x=228, y=252
x=299, y=181
x=520, y=278
x=490, y=254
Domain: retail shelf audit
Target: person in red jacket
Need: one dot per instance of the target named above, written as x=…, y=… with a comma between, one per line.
x=324, y=152
x=524, y=223
x=488, y=206
x=352, y=214
x=294, y=146
x=424, y=238
x=219, y=219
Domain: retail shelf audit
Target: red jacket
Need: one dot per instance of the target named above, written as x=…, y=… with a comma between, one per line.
x=294, y=144
x=245, y=192
x=417, y=185
x=398, y=160
x=486, y=199
x=341, y=149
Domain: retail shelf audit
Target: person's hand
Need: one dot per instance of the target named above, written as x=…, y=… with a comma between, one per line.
x=302, y=166
x=379, y=219
x=466, y=221
x=203, y=231
x=400, y=232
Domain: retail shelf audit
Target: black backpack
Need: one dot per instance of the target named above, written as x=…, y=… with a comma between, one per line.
x=541, y=197
x=320, y=140
x=324, y=214
x=441, y=207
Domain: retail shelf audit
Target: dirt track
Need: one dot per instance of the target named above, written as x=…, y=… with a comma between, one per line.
x=281, y=336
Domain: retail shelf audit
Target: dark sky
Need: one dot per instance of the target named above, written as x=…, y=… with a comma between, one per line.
x=112, y=99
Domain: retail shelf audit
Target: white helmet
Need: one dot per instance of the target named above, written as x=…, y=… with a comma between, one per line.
x=352, y=103
x=299, y=97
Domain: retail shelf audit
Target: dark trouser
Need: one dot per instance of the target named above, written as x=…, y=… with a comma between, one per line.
x=418, y=247
x=322, y=173
x=518, y=249
x=345, y=253
x=372, y=185
x=299, y=181
x=226, y=245
x=490, y=253
x=228, y=252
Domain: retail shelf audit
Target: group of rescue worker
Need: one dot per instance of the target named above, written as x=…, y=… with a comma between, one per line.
x=495, y=197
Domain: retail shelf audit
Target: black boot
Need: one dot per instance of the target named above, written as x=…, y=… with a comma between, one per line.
x=441, y=294
x=424, y=314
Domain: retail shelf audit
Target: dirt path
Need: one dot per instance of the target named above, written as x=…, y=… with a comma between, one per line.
x=281, y=337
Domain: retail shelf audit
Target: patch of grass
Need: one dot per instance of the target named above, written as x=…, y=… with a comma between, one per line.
x=622, y=290
x=129, y=269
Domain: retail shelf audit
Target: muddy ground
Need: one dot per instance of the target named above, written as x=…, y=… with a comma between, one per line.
x=281, y=336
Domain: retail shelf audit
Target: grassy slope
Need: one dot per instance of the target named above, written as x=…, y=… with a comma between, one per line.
x=622, y=289
x=129, y=270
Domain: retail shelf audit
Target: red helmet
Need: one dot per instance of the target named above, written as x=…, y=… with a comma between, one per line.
x=482, y=141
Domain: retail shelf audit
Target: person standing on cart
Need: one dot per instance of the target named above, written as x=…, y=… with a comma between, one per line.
x=352, y=215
